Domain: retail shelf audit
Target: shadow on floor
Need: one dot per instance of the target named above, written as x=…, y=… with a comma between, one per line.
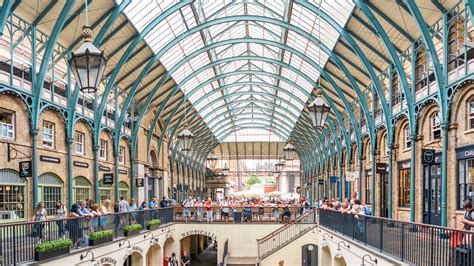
x=207, y=258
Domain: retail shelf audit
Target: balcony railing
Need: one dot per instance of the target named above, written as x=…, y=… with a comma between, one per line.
x=418, y=244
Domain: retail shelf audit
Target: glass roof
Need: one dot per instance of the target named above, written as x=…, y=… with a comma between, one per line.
x=250, y=90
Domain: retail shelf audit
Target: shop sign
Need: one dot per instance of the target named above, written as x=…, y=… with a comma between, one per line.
x=381, y=168
x=104, y=168
x=465, y=152
x=139, y=182
x=122, y=171
x=199, y=232
x=321, y=182
x=81, y=164
x=24, y=169
x=333, y=179
x=108, y=260
x=49, y=159
x=404, y=165
x=108, y=179
x=428, y=156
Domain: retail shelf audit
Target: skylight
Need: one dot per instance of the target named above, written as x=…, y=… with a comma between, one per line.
x=253, y=88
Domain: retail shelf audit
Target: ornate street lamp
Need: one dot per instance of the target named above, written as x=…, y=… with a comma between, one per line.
x=185, y=139
x=279, y=166
x=319, y=110
x=225, y=170
x=212, y=160
x=289, y=151
x=88, y=62
x=275, y=173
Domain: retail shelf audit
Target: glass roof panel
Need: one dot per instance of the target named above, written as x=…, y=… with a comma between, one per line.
x=142, y=13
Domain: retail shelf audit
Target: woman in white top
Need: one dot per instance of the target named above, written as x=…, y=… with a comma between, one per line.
x=61, y=214
x=39, y=217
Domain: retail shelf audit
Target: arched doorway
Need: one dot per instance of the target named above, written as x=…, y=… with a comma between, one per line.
x=154, y=255
x=50, y=190
x=81, y=188
x=201, y=249
x=339, y=261
x=134, y=259
x=309, y=255
x=326, y=257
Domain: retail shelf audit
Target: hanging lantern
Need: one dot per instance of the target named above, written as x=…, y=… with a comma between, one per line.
x=289, y=151
x=185, y=139
x=225, y=170
x=212, y=160
x=275, y=173
x=279, y=166
x=88, y=64
x=319, y=111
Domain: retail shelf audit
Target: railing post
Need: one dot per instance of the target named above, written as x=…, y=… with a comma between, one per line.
x=402, y=241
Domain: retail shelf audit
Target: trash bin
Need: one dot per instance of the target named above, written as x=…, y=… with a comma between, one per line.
x=237, y=217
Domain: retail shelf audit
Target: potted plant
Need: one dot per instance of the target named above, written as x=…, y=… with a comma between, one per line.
x=100, y=237
x=133, y=229
x=153, y=224
x=51, y=249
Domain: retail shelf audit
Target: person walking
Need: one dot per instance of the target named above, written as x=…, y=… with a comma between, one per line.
x=61, y=214
x=173, y=260
x=208, y=206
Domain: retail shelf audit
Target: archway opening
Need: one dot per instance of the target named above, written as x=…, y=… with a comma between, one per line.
x=154, y=255
x=201, y=250
x=134, y=259
x=326, y=257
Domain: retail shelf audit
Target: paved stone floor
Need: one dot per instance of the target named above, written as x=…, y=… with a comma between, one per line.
x=207, y=258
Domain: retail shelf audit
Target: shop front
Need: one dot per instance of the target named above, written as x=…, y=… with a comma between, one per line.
x=432, y=191
x=465, y=174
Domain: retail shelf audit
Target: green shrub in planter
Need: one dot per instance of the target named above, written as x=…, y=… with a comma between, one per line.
x=132, y=229
x=100, y=237
x=153, y=224
x=52, y=249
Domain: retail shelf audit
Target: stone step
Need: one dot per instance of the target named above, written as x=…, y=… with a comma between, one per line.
x=241, y=261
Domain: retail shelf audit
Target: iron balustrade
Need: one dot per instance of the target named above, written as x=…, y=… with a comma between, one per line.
x=286, y=234
x=17, y=240
x=419, y=244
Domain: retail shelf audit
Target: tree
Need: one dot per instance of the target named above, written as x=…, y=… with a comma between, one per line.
x=253, y=180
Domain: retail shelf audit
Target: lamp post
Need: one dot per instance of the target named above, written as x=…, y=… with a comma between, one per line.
x=319, y=110
x=289, y=151
x=88, y=62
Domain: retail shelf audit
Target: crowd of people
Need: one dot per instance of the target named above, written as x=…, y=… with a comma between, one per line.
x=349, y=206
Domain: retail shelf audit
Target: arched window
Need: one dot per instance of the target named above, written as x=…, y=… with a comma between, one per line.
x=123, y=190
x=435, y=126
x=406, y=137
x=470, y=114
x=421, y=66
x=12, y=195
x=395, y=89
x=50, y=190
x=81, y=188
x=105, y=191
x=455, y=42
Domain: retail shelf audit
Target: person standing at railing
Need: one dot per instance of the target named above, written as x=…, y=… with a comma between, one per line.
x=225, y=209
x=468, y=217
x=163, y=203
x=276, y=211
x=123, y=208
x=87, y=215
x=94, y=221
x=198, y=210
x=39, y=217
x=208, y=206
x=61, y=213
x=105, y=210
x=187, y=203
x=133, y=211
x=74, y=225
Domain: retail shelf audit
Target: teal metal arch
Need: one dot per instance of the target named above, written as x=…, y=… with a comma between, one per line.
x=4, y=14
x=442, y=95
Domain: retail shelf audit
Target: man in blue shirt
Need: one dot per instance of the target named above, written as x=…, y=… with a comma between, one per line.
x=83, y=211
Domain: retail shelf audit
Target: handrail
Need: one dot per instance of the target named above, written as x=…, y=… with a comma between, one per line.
x=285, y=227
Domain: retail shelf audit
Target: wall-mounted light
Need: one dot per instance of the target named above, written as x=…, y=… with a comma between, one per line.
x=338, y=252
x=153, y=239
x=369, y=257
x=129, y=247
x=324, y=242
x=92, y=262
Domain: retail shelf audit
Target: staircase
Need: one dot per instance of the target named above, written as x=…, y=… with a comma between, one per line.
x=286, y=234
